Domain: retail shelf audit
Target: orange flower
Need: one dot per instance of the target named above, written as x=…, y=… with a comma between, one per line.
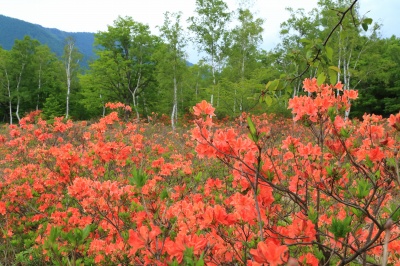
x=2, y=208
x=309, y=259
x=269, y=252
x=339, y=86
x=376, y=154
x=351, y=94
x=310, y=85
x=203, y=108
x=394, y=121
x=136, y=240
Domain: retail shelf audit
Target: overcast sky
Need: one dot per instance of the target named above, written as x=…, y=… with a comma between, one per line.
x=95, y=15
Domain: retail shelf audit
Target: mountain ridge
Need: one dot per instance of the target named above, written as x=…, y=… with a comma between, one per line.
x=12, y=29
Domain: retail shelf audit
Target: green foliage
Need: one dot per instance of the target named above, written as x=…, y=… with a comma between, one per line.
x=171, y=68
x=74, y=239
x=209, y=27
x=340, y=228
x=363, y=188
x=54, y=106
x=125, y=68
x=189, y=259
x=138, y=178
x=379, y=88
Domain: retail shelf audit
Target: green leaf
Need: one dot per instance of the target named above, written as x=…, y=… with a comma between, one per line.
x=340, y=228
x=329, y=170
x=329, y=52
x=391, y=162
x=304, y=40
x=318, y=253
x=200, y=262
x=164, y=194
x=319, y=45
x=174, y=263
x=309, y=54
x=363, y=188
x=139, y=178
x=335, y=68
x=332, y=113
x=253, y=132
x=283, y=32
x=344, y=133
x=396, y=214
x=332, y=77
x=86, y=232
x=273, y=85
x=54, y=234
x=268, y=84
x=367, y=21
x=251, y=125
x=321, y=79
x=368, y=162
x=270, y=175
x=357, y=212
x=312, y=214
x=377, y=175
x=198, y=177
x=268, y=100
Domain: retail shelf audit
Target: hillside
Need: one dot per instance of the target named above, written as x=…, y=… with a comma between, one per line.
x=12, y=29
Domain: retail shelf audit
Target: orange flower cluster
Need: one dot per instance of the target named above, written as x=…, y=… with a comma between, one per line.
x=320, y=99
x=265, y=192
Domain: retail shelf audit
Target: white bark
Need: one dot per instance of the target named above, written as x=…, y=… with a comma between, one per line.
x=68, y=70
x=104, y=106
x=347, y=76
x=214, y=79
x=134, y=95
x=17, y=89
x=9, y=96
x=174, y=115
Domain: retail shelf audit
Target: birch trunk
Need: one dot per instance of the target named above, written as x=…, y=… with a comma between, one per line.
x=135, y=106
x=347, y=75
x=9, y=97
x=68, y=71
x=17, y=89
x=214, y=80
x=174, y=115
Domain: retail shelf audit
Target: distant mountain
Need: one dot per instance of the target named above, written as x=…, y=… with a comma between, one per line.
x=12, y=29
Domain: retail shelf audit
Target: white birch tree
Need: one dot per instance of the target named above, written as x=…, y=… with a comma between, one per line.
x=172, y=63
x=210, y=29
x=71, y=58
x=5, y=80
x=21, y=56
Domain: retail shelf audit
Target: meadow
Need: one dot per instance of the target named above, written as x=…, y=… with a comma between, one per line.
x=317, y=189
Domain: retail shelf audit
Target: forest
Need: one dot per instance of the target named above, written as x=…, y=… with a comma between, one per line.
x=150, y=73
